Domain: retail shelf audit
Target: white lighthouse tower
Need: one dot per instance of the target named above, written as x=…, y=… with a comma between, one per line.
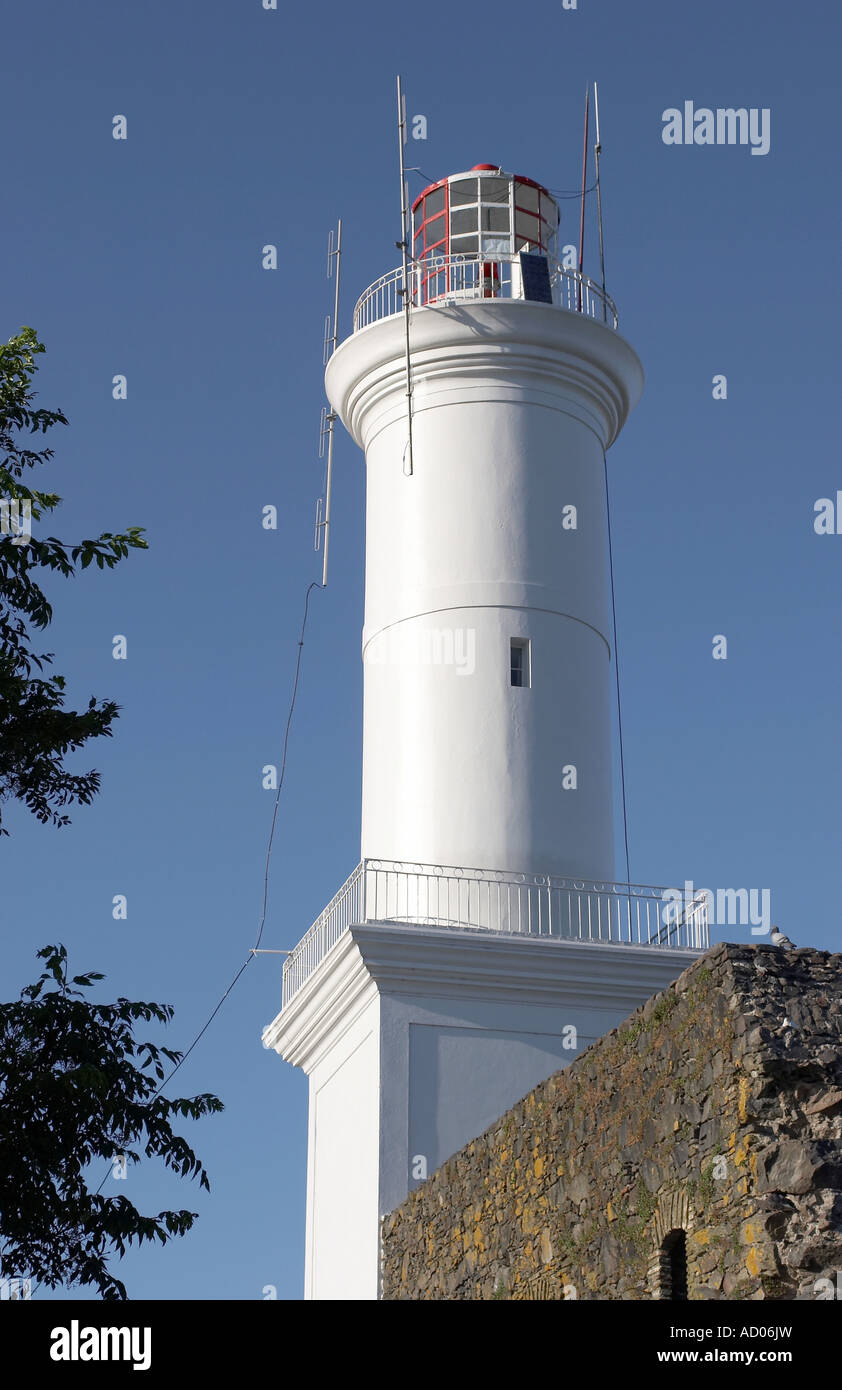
x=482, y=941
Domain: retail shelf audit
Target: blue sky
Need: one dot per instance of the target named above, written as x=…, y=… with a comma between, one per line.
x=143, y=257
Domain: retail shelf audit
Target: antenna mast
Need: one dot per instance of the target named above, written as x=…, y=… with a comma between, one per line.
x=334, y=254
x=597, y=151
x=404, y=247
x=584, y=186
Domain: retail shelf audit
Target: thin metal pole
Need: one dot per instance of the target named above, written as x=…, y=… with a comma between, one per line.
x=405, y=251
x=338, y=254
x=616, y=664
x=332, y=418
x=584, y=186
x=597, y=152
x=326, y=522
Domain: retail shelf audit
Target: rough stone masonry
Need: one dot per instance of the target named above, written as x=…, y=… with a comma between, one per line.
x=712, y=1117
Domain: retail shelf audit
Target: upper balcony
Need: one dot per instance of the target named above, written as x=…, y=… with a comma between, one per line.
x=441, y=282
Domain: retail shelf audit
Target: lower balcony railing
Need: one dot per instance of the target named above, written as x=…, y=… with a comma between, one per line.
x=433, y=895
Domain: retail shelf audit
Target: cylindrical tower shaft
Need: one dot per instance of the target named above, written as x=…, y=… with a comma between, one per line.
x=487, y=638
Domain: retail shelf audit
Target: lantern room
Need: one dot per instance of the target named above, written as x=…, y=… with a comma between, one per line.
x=484, y=213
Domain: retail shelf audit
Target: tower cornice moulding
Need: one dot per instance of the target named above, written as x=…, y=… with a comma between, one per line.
x=329, y=1003
x=537, y=354
x=446, y=963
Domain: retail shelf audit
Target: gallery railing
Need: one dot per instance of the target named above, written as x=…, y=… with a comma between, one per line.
x=435, y=895
x=443, y=281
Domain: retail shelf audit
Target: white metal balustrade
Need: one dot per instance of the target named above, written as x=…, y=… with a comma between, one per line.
x=434, y=895
x=445, y=281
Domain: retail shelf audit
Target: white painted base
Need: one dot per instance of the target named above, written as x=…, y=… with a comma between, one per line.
x=415, y=1040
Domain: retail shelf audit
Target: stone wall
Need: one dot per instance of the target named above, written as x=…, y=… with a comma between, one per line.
x=715, y=1110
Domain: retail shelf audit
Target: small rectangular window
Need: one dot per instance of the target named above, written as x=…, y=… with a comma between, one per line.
x=521, y=663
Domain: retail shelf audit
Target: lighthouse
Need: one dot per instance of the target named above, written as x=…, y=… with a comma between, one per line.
x=482, y=941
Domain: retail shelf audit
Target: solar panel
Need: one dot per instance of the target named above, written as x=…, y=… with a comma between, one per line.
x=535, y=274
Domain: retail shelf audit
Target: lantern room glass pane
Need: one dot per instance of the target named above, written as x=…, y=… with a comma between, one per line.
x=528, y=227
x=494, y=190
x=496, y=246
x=434, y=203
x=434, y=231
x=463, y=220
x=463, y=191
x=495, y=219
x=526, y=197
x=464, y=246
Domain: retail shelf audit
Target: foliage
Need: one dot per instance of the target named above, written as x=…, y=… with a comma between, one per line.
x=36, y=731
x=76, y=1087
